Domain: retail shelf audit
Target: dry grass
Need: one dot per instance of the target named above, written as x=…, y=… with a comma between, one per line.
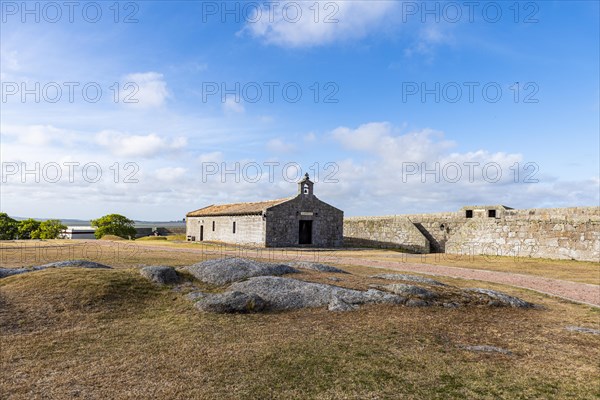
x=111, y=334
x=160, y=238
x=126, y=253
x=112, y=238
x=177, y=237
x=568, y=270
x=117, y=254
x=170, y=238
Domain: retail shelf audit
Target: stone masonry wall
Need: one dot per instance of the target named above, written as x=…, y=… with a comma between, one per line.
x=559, y=233
x=572, y=233
x=282, y=228
x=438, y=227
x=386, y=232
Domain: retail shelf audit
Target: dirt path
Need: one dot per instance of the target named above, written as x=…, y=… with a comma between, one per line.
x=578, y=292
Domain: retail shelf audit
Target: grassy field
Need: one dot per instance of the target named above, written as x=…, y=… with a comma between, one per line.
x=102, y=334
x=569, y=270
x=138, y=252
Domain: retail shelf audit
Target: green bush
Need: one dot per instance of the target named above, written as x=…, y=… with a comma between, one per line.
x=114, y=224
x=9, y=227
x=49, y=229
x=28, y=227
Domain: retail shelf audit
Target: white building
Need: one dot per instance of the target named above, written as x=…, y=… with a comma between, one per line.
x=301, y=220
x=78, y=232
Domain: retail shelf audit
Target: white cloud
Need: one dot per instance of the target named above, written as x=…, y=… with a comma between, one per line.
x=278, y=145
x=212, y=157
x=299, y=24
x=266, y=119
x=231, y=105
x=310, y=137
x=170, y=174
x=150, y=90
x=10, y=61
x=122, y=144
x=430, y=36
x=393, y=173
x=383, y=139
x=37, y=135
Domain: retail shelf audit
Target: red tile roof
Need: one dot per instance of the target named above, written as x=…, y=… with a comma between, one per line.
x=255, y=208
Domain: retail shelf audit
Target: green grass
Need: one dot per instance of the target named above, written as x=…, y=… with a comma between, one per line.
x=164, y=238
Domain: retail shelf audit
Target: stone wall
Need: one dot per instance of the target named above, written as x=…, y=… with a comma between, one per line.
x=570, y=233
x=282, y=229
x=559, y=233
x=438, y=227
x=279, y=227
x=384, y=232
x=249, y=229
x=567, y=214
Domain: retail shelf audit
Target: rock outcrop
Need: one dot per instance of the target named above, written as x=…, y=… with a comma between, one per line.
x=222, y=271
x=160, y=274
x=5, y=272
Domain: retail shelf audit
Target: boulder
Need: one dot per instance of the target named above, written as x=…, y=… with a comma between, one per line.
x=496, y=298
x=4, y=272
x=287, y=294
x=195, y=296
x=316, y=267
x=160, y=274
x=379, y=297
x=337, y=304
x=405, y=290
x=583, y=330
x=408, y=278
x=417, y=303
x=227, y=270
x=231, y=302
x=73, y=264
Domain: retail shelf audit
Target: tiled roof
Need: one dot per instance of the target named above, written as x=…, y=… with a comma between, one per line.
x=255, y=208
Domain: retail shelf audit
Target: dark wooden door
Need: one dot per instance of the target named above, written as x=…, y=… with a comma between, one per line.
x=201, y=232
x=305, y=232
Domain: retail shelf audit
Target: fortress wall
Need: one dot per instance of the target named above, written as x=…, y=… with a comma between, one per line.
x=559, y=233
x=567, y=214
x=557, y=239
x=438, y=228
x=384, y=232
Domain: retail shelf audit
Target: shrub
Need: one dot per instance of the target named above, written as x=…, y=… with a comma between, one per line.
x=114, y=224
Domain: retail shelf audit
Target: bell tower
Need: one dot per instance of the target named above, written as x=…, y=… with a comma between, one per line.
x=305, y=186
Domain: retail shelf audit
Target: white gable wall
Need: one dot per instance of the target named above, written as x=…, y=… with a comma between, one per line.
x=249, y=229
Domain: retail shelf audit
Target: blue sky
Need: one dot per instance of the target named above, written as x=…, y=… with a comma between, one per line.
x=371, y=61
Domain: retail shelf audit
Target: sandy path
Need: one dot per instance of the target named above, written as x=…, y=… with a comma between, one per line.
x=579, y=292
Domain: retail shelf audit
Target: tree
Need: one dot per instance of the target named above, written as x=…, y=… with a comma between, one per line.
x=8, y=227
x=27, y=228
x=49, y=229
x=114, y=224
